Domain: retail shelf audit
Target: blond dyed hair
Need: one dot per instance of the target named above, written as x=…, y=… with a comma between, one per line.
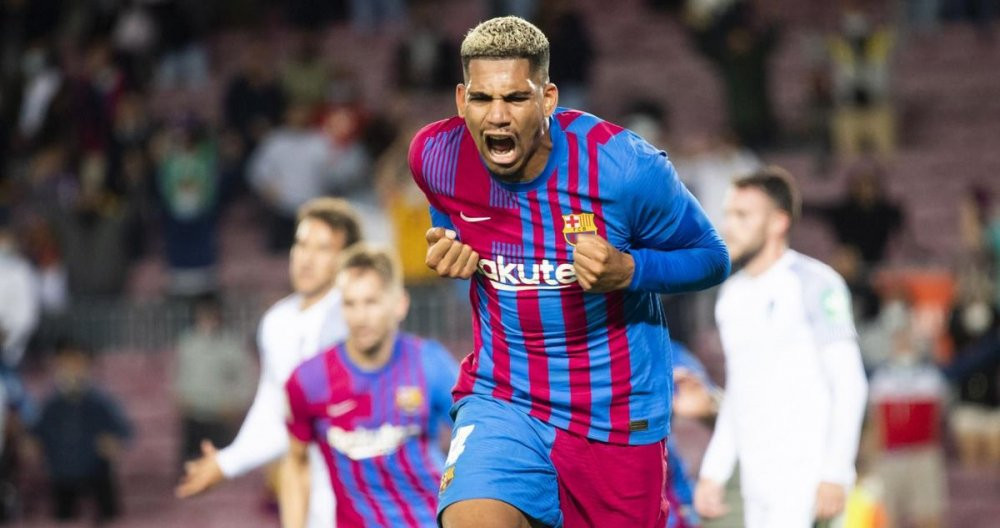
x=508, y=37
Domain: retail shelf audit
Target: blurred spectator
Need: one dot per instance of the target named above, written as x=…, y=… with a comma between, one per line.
x=368, y=16
x=96, y=223
x=135, y=39
x=42, y=249
x=571, y=50
x=213, y=381
x=526, y=9
x=95, y=95
x=292, y=165
x=982, y=13
x=974, y=326
x=708, y=164
x=866, y=219
x=43, y=82
x=254, y=101
x=351, y=170
x=425, y=57
x=130, y=173
x=877, y=331
x=183, y=58
x=907, y=399
x=312, y=15
x=921, y=15
x=188, y=182
x=19, y=293
x=406, y=207
x=863, y=116
x=81, y=431
x=979, y=229
x=740, y=44
x=306, y=75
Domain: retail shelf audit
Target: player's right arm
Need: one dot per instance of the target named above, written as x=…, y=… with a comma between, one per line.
x=293, y=485
x=261, y=438
x=717, y=466
x=293, y=473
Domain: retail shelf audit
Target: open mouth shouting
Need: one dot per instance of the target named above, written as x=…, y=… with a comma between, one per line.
x=501, y=149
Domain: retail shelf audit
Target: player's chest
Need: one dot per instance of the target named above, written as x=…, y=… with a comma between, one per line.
x=370, y=406
x=527, y=227
x=372, y=421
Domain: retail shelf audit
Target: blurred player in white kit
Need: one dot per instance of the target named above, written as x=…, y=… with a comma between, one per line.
x=296, y=328
x=795, y=386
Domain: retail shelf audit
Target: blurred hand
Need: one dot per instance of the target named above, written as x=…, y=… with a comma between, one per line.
x=830, y=500
x=599, y=266
x=691, y=398
x=200, y=474
x=709, y=499
x=108, y=447
x=449, y=257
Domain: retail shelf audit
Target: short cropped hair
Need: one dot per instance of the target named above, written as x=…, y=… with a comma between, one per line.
x=779, y=185
x=507, y=37
x=366, y=257
x=335, y=213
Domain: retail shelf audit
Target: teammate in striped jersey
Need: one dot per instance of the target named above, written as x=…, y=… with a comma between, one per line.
x=569, y=227
x=374, y=405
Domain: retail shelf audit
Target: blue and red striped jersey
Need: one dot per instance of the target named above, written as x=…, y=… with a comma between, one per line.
x=593, y=364
x=377, y=430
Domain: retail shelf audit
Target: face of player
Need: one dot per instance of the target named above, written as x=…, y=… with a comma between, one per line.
x=372, y=310
x=506, y=109
x=313, y=262
x=751, y=221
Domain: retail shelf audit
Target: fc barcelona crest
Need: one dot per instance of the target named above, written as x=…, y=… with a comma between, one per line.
x=409, y=399
x=575, y=225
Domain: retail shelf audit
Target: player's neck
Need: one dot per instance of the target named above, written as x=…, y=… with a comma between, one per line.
x=310, y=299
x=768, y=256
x=373, y=359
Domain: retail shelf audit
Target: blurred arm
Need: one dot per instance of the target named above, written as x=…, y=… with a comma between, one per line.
x=845, y=377
x=293, y=485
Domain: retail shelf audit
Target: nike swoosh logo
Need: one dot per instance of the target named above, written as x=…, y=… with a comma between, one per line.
x=342, y=408
x=473, y=219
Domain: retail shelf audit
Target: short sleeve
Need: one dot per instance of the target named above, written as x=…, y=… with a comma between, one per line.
x=297, y=418
x=415, y=159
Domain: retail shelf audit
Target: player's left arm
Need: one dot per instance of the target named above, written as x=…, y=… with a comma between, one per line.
x=674, y=246
x=293, y=484
x=828, y=306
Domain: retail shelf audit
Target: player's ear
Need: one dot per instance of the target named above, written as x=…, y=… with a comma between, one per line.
x=781, y=223
x=460, y=99
x=403, y=305
x=550, y=98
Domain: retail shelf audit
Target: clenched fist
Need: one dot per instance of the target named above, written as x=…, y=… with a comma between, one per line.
x=599, y=266
x=448, y=256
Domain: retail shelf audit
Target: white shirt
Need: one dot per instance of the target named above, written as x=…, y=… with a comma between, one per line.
x=286, y=337
x=18, y=305
x=795, y=385
x=299, y=165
